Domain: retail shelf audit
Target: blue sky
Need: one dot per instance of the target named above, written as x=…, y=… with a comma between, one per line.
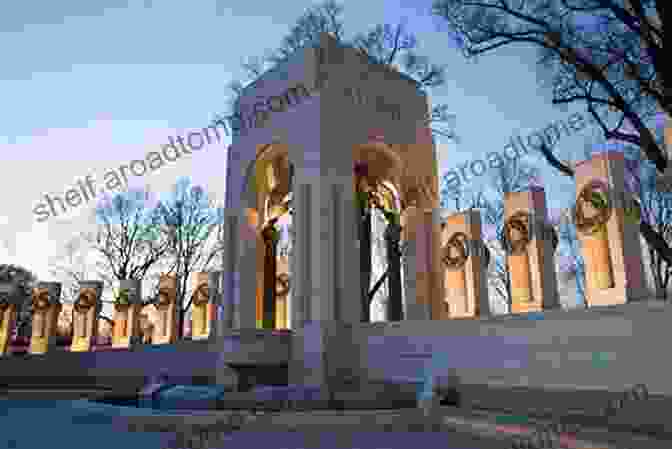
x=89, y=86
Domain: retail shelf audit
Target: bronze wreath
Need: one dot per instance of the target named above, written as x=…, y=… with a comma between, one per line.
x=201, y=294
x=164, y=298
x=40, y=299
x=86, y=300
x=282, y=284
x=457, y=241
x=596, y=194
x=519, y=222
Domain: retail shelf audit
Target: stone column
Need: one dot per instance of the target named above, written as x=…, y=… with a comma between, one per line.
x=10, y=299
x=165, y=331
x=270, y=237
x=126, y=332
x=247, y=274
x=345, y=282
x=46, y=308
x=415, y=307
x=230, y=262
x=609, y=239
x=215, y=296
x=435, y=284
x=465, y=271
x=301, y=260
x=85, y=316
x=530, y=252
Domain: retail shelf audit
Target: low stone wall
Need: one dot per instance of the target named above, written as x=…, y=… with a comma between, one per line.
x=186, y=362
x=559, y=355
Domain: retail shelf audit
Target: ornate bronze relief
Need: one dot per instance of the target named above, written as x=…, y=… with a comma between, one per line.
x=456, y=251
x=595, y=197
x=201, y=294
x=517, y=233
x=282, y=284
x=40, y=299
x=86, y=300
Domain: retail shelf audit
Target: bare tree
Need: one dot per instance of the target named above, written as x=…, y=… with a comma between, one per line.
x=192, y=226
x=616, y=72
x=571, y=266
x=656, y=211
x=72, y=267
x=121, y=238
x=388, y=45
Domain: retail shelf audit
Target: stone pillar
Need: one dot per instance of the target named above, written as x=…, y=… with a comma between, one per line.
x=610, y=241
x=165, y=331
x=46, y=308
x=247, y=276
x=344, y=280
x=270, y=236
x=126, y=332
x=465, y=270
x=230, y=256
x=530, y=252
x=85, y=316
x=422, y=234
x=203, y=290
x=414, y=308
x=10, y=300
x=215, y=296
x=301, y=263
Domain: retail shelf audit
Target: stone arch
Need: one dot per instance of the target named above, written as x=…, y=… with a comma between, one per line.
x=265, y=191
x=382, y=176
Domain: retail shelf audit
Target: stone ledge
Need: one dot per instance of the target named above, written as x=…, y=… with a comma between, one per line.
x=650, y=417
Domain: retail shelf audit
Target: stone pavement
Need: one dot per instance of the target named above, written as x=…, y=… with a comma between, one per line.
x=479, y=430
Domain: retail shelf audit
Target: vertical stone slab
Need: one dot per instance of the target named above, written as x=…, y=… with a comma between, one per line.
x=609, y=240
x=215, y=295
x=230, y=257
x=126, y=332
x=415, y=306
x=436, y=285
x=85, y=316
x=248, y=278
x=345, y=279
x=302, y=260
x=463, y=260
x=9, y=302
x=530, y=252
x=165, y=330
x=46, y=308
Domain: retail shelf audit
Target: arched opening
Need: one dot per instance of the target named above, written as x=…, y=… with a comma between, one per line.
x=376, y=171
x=269, y=180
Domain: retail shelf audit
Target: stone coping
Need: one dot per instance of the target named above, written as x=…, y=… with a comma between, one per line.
x=582, y=313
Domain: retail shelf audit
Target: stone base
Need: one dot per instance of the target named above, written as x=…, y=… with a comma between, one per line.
x=130, y=343
x=417, y=311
